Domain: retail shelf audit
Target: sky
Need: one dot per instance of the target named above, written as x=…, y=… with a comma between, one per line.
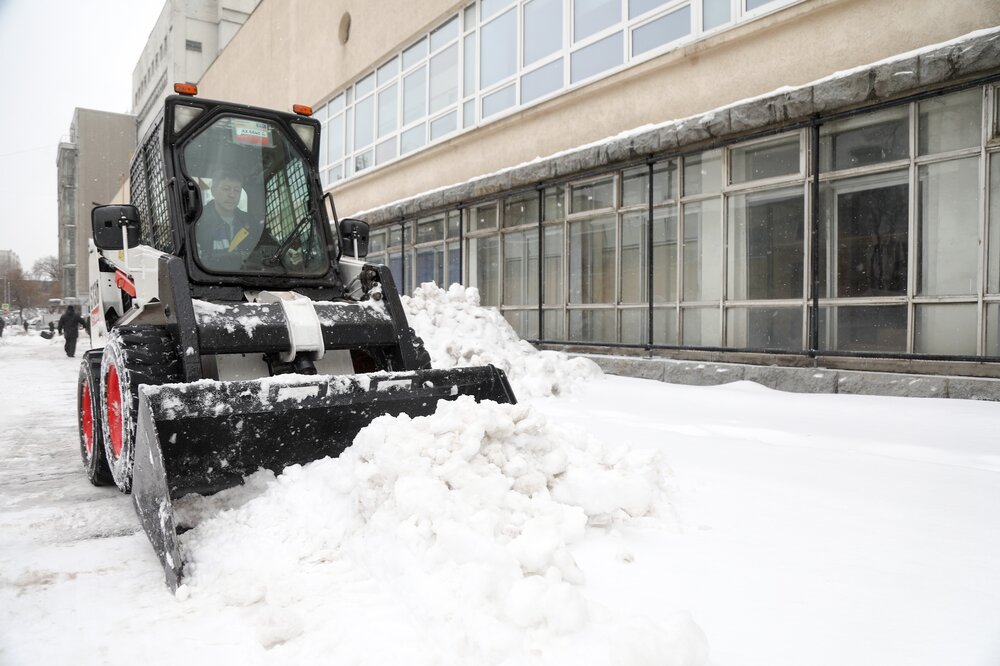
x=57, y=55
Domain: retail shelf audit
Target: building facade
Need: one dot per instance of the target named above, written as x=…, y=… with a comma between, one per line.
x=762, y=181
x=91, y=167
x=187, y=37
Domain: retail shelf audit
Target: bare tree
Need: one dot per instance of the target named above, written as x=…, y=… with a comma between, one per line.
x=24, y=293
x=47, y=268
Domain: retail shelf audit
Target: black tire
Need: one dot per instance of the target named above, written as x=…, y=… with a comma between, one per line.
x=133, y=356
x=88, y=409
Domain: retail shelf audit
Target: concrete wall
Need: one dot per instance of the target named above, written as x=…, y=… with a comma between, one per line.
x=105, y=144
x=307, y=64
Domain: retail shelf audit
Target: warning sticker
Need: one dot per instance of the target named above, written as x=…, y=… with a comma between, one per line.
x=251, y=132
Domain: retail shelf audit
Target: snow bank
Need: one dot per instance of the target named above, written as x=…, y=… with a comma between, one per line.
x=457, y=331
x=467, y=518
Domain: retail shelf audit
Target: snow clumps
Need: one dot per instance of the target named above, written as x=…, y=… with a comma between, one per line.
x=457, y=331
x=467, y=519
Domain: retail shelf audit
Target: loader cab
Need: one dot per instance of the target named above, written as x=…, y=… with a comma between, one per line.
x=250, y=211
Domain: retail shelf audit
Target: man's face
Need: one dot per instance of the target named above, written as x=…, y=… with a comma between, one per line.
x=226, y=191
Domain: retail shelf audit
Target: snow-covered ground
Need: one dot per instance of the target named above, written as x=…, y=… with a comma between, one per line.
x=602, y=520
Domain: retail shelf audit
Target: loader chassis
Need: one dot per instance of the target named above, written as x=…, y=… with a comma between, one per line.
x=232, y=327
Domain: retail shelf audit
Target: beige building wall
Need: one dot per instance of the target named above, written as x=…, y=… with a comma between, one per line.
x=105, y=143
x=288, y=53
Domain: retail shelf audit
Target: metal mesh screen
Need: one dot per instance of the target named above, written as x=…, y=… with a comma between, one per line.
x=286, y=197
x=148, y=192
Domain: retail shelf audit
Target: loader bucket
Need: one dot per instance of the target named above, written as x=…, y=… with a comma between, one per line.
x=205, y=436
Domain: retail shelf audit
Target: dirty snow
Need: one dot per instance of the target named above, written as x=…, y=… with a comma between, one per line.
x=616, y=521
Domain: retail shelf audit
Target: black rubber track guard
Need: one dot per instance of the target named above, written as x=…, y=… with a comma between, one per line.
x=205, y=436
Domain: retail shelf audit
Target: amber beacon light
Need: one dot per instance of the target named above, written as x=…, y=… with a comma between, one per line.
x=189, y=89
x=302, y=109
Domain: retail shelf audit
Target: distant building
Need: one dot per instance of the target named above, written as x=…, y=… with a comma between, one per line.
x=187, y=37
x=91, y=167
x=8, y=261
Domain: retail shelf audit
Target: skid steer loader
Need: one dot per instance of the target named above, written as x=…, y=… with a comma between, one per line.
x=232, y=328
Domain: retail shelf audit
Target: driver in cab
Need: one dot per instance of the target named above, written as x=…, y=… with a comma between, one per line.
x=230, y=239
x=225, y=234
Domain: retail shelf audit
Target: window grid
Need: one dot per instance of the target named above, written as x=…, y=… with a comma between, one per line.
x=912, y=300
x=485, y=104
x=725, y=318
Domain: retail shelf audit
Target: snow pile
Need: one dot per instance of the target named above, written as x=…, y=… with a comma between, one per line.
x=467, y=518
x=457, y=331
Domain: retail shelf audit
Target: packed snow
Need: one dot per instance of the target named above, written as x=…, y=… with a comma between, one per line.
x=601, y=520
x=458, y=332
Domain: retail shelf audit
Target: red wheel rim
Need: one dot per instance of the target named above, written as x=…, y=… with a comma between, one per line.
x=87, y=419
x=114, y=415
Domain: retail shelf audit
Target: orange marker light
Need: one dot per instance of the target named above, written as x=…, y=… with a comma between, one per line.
x=302, y=109
x=186, y=89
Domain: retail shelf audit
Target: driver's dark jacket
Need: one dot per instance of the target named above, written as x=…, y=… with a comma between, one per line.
x=215, y=240
x=213, y=234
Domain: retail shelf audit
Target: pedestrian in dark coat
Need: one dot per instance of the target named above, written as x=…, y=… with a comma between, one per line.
x=2, y=324
x=69, y=325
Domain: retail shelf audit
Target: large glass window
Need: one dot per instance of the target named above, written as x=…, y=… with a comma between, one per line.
x=634, y=257
x=414, y=95
x=863, y=140
x=444, y=79
x=951, y=122
x=703, y=250
x=907, y=262
x=665, y=255
x=703, y=173
x=592, y=325
x=429, y=265
x=767, y=245
x=770, y=328
x=498, y=50
x=484, y=268
x=993, y=274
x=715, y=13
x=542, y=81
x=945, y=329
x=864, y=233
x=520, y=210
x=766, y=159
x=592, y=196
x=949, y=227
x=388, y=111
x=553, y=273
x=542, y=29
x=873, y=328
x=596, y=58
x=493, y=56
x=662, y=31
x=592, y=260
x=364, y=122
x=482, y=217
x=520, y=262
x=592, y=16
x=701, y=327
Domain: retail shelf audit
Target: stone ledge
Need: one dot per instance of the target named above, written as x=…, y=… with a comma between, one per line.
x=801, y=380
